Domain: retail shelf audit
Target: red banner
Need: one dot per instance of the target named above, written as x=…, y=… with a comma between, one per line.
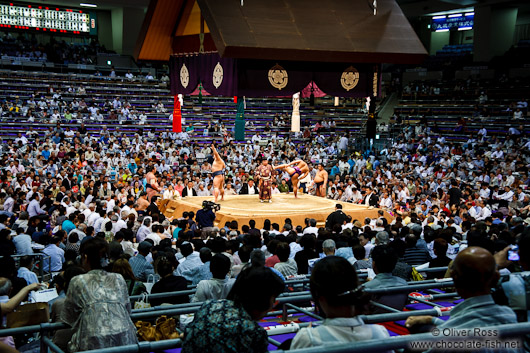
x=177, y=115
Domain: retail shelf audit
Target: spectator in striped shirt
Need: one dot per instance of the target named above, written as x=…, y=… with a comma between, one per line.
x=413, y=255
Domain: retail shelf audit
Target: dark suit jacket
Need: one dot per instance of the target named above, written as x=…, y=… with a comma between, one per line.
x=336, y=217
x=59, y=197
x=244, y=189
x=66, y=183
x=373, y=200
x=170, y=284
x=185, y=192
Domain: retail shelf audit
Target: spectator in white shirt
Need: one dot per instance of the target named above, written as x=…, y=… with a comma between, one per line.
x=220, y=285
x=22, y=242
x=517, y=114
x=485, y=192
x=170, y=193
x=483, y=132
x=68, y=206
x=89, y=211
x=312, y=229
x=117, y=224
x=26, y=265
x=111, y=203
x=497, y=154
x=485, y=211
x=256, y=138
x=364, y=240
x=202, y=191
x=385, y=202
x=34, y=206
x=9, y=203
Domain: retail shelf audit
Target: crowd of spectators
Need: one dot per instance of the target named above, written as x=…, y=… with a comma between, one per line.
x=79, y=197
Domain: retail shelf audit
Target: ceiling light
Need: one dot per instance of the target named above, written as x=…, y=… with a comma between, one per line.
x=455, y=15
x=88, y=5
x=464, y=28
x=438, y=17
x=442, y=30
x=469, y=14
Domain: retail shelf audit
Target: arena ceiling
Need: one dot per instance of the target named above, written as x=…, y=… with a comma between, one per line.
x=411, y=8
x=173, y=24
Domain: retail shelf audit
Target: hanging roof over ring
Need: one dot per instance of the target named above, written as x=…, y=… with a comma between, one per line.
x=312, y=30
x=296, y=30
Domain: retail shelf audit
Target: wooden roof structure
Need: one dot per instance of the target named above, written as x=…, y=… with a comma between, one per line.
x=296, y=30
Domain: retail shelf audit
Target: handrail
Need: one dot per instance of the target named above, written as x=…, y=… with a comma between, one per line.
x=141, y=347
x=407, y=288
x=399, y=342
x=287, y=301
x=288, y=282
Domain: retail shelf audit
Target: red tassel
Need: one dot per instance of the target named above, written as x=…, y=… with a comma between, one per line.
x=235, y=99
x=177, y=115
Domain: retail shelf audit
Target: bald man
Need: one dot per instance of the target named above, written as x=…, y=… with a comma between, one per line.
x=474, y=272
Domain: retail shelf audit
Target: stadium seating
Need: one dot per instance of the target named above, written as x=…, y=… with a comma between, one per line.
x=446, y=107
x=142, y=96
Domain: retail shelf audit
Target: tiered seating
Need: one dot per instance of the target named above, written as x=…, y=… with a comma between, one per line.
x=450, y=56
x=444, y=109
x=259, y=111
x=455, y=50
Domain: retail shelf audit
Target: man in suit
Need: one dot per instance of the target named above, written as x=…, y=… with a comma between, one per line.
x=370, y=199
x=61, y=194
x=189, y=190
x=153, y=209
x=249, y=188
x=66, y=182
x=337, y=217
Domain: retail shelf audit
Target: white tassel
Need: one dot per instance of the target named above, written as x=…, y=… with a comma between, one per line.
x=181, y=99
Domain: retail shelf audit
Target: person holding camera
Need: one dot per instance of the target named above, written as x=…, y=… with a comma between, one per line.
x=206, y=216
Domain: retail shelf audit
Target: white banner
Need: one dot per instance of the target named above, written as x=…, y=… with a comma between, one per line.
x=295, y=118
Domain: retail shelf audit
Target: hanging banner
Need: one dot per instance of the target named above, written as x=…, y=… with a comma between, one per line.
x=218, y=75
x=184, y=74
x=264, y=78
x=177, y=115
x=295, y=118
x=240, y=120
x=257, y=78
x=344, y=80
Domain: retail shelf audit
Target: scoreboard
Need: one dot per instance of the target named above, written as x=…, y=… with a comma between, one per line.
x=47, y=18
